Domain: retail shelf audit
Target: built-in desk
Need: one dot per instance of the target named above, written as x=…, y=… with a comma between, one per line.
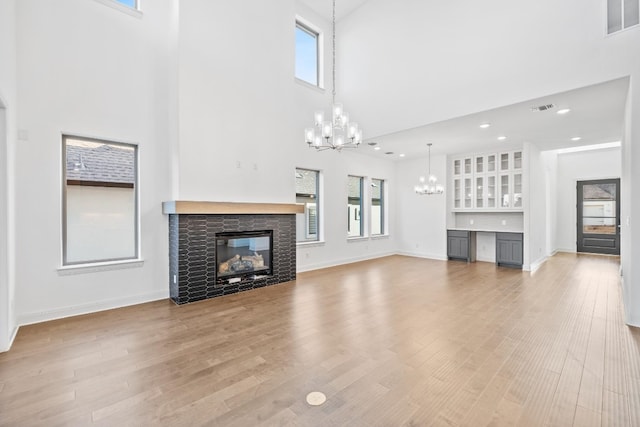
x=461, y=245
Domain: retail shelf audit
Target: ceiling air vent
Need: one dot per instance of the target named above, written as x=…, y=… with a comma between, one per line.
x=544, y=107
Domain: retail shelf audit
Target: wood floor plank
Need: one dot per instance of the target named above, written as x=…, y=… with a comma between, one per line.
x=392, y=341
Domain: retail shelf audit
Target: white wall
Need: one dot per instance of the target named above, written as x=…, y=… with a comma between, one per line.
x=550, y=164
x=336, y=248
x=237, y=137
x=535, y=209
x=242, y=118
x=629, y=202
x=421, y=229
x=7, y=155
x=574, y=167
x=88, y=69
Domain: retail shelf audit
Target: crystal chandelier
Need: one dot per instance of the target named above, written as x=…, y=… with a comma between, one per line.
x=430, y=184
x=339, y=132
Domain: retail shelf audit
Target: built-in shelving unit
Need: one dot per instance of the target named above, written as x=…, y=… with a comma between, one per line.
x=488, y=182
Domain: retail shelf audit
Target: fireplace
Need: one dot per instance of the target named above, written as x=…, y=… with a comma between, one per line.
x=241, y=254
x=203, y=235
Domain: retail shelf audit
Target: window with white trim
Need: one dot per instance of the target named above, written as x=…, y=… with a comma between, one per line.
x=308, y=194
x=100, y=201
x=622, y=14
x=377, y=207
x=133, y=4
x=355, y=220
x=307, y=54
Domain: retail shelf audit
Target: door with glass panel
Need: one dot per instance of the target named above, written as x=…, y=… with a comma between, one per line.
x=599, y=216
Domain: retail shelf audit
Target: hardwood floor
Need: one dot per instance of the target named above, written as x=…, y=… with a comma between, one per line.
x=394, y=341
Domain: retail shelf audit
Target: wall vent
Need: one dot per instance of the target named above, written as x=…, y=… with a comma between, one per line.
x=544, y=107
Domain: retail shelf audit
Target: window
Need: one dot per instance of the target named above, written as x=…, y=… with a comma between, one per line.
x=307, y=54
x=354, y=207
x=622, y=14
x=100, y=201
x=129, y=7
x=133, y=4
x=307, y=191
x=377, y=207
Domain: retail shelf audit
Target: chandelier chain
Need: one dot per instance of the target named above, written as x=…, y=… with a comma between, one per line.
x=336, y=131
x=333, y=69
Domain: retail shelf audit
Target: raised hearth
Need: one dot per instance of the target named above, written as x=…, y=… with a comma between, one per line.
x=193, y=227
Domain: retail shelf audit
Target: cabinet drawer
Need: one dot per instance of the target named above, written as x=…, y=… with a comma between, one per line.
x=457, y=233
x=509, y=236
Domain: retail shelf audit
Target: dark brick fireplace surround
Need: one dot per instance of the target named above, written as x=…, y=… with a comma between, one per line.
x=192, y=230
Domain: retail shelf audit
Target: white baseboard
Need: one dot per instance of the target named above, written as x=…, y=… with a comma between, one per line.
x=565, y=250
x=534, y=266
x=11, y=339
x=59, y=313
x=437, y=257
x=311, y=267
x=633, y=321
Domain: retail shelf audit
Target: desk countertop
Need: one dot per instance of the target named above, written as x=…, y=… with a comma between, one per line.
x=480, y=230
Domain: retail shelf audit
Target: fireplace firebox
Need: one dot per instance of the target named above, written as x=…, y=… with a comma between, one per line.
x=241, y=254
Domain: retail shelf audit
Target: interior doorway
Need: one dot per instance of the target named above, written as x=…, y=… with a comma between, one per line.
x=599, y=216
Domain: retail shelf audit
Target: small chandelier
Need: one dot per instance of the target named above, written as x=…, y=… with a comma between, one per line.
x=339, y=132
x=430, y=184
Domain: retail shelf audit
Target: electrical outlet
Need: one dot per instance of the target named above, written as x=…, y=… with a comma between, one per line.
x=470, y=222
x=175, y=279
x=238, y=164
x=504, y=222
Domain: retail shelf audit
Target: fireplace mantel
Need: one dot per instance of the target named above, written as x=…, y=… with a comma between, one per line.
x=229, y=208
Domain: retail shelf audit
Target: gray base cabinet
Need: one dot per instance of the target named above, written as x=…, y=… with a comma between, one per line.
x=461, y=245
x=509, y=249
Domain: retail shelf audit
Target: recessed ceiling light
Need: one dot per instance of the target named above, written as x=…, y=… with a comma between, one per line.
x=372, y=143
x=576, y=138
x=563, y=111
x=389, y=152
x=376, y=148
x=402, y=155
x=502, y=138
x=485, y=125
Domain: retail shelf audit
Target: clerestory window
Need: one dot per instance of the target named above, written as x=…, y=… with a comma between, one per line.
x=307, y=54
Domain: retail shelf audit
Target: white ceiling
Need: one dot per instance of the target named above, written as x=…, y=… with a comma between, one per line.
x=596, y=116
x=324, y=7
